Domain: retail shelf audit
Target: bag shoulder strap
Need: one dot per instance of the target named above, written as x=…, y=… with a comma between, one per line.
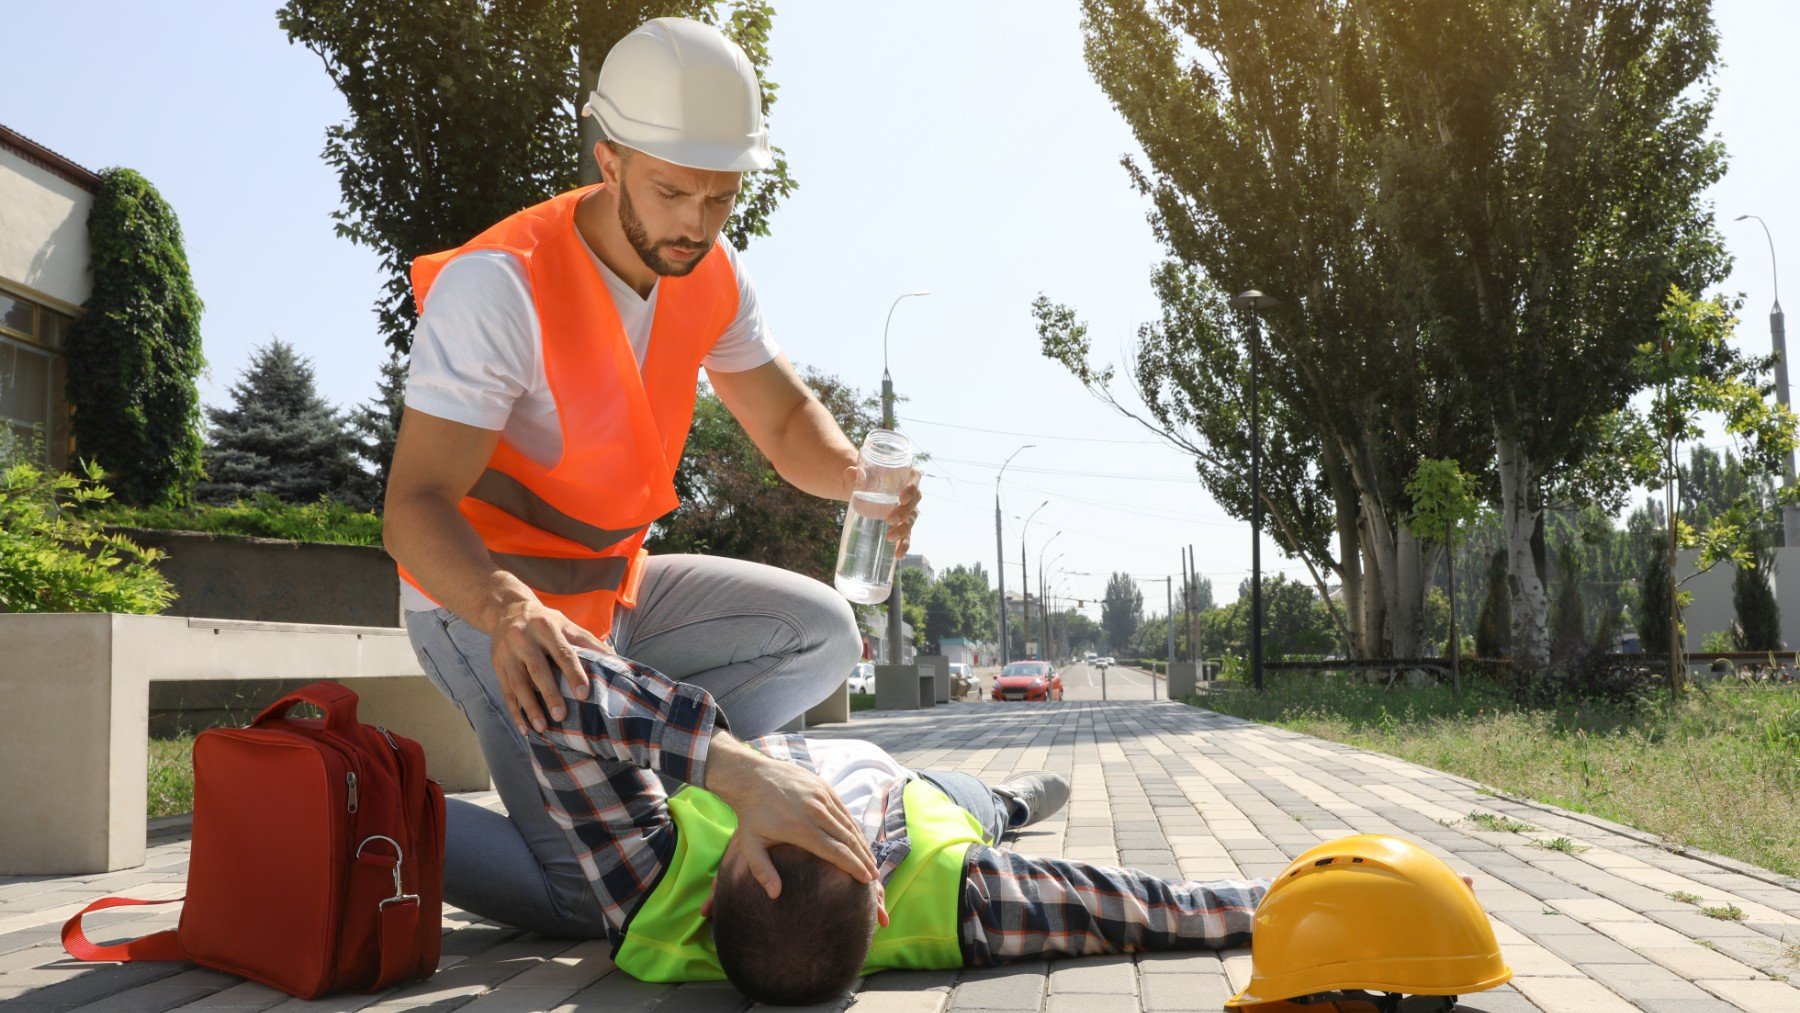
x=156, y=946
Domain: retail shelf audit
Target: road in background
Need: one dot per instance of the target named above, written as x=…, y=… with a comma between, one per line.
x=1082, y=682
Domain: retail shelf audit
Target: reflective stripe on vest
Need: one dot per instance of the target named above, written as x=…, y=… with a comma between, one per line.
x=668, y=940
x=573, y=531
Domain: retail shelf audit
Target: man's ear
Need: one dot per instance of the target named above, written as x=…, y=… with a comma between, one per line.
x=609, y=163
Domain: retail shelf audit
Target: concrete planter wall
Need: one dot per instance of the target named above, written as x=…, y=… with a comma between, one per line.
x=264, y=580
x=276, y=581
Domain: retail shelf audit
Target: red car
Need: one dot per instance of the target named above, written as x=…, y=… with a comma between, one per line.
x=1028, y=680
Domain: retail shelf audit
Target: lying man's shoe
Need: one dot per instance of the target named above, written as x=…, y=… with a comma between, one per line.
x=1035, y=796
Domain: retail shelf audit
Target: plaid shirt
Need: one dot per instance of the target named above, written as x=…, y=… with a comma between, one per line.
x=598, y=769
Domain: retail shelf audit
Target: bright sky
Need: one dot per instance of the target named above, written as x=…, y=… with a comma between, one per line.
x=960, y=148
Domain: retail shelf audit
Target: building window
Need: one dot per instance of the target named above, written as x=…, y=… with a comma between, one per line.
x=31, y=336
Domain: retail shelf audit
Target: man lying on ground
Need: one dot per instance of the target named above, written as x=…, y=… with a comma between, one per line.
x=786, y=926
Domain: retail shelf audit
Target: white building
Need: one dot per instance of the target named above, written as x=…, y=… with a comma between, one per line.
x=44, y=279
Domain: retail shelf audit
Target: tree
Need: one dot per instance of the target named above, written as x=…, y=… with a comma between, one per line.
x=1121, y=611
x=961, y=605
x=915, y=599
x=279, y=437
x=1295, y=623
x=1443, y=501
x=374, y=424
x=1692, y=370
x=1653, y=613
x=1758, y=614
x=1568, y=625
x=465, y=111
x=134, y=353
x=1549, y=174
x=1493, y=630
x=1263, y=126
x=733, y=503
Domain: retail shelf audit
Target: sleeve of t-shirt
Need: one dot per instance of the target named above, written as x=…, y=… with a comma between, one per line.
x=475, y=348
x=746, y=343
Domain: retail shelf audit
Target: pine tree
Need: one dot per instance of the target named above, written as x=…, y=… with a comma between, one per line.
x=1758, y=615
x=1568, y=624
x=280, y=437
x=374, y=424
x=1493, y=629
x=1653, y=604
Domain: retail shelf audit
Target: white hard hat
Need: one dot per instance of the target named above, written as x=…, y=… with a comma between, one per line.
x=681, y=91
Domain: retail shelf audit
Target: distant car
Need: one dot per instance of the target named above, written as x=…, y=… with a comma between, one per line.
x=862, y=678
x=962, y=680
x=1105, y=659
x=1028, y=680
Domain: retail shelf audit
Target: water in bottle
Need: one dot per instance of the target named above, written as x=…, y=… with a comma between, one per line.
x=865, y=565
x=865, y=571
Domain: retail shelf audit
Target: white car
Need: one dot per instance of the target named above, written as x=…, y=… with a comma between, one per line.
x=862, y=678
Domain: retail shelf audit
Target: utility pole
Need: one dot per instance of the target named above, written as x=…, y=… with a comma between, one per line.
x=1169, y=592
x=1195, y=620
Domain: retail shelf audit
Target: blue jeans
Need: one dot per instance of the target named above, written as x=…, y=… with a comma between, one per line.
x=766, y=643
x=968, y=791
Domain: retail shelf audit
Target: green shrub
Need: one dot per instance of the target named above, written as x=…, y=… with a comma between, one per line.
x=54, y=558
x=263, y=516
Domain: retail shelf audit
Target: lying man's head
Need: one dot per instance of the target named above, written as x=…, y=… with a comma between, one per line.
x=806, y=946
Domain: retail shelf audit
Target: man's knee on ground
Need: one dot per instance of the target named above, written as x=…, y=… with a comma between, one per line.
x=806, y=946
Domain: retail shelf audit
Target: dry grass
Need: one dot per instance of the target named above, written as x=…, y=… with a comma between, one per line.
x=1719, y=771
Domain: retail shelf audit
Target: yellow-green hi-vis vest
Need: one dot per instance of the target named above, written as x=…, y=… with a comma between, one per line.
x=668, y=940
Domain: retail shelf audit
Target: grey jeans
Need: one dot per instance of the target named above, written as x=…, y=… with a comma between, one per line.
x=766, y=643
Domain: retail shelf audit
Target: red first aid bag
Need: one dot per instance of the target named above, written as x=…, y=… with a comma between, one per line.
x=317, y=858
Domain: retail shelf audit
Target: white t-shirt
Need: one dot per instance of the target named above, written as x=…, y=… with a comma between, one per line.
x=855, y=769
x=477, y=357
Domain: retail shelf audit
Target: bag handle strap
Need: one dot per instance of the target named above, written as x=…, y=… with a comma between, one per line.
x=335, y=699
x=156, y=946
x=397, y=933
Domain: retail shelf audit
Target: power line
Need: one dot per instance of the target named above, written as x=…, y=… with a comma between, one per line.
x=1038, y=436
x=1073, y=473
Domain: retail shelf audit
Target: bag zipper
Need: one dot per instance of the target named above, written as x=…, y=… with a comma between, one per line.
x=350, y=784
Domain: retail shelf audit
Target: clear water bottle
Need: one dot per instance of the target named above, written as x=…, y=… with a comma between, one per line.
x=865, y=563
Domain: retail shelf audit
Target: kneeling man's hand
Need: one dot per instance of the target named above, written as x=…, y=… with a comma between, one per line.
x=781, y=803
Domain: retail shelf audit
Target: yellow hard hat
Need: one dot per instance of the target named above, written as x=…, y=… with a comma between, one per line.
x=1369, y=913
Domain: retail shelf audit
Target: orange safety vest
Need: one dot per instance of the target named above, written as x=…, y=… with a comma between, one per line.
x=573, y=532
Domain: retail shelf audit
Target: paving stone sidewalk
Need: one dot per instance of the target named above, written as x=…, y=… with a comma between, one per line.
x=1165, y=787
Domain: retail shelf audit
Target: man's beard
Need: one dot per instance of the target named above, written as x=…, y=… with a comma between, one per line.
x=651, y=253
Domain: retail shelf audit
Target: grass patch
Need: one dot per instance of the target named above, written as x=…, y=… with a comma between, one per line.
x=1727, y=913
x=171, y=777
x=1562, y=844
x=1720, y=770
x=1498, y=823
x=862, y=702
x=1684, y=897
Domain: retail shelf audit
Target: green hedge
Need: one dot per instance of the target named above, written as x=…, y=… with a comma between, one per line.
x=263, y=516
x=134, y=353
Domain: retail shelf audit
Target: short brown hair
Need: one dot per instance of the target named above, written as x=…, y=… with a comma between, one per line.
x=806, y=946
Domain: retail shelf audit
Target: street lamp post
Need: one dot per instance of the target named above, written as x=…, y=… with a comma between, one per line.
x=1043, y=611
x=896, y=654
x=1790, y=514
x=1025, y=576
x=1254, y=301
x=1000, y=549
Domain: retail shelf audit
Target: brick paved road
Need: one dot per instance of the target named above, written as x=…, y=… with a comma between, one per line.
x=1157, y=785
